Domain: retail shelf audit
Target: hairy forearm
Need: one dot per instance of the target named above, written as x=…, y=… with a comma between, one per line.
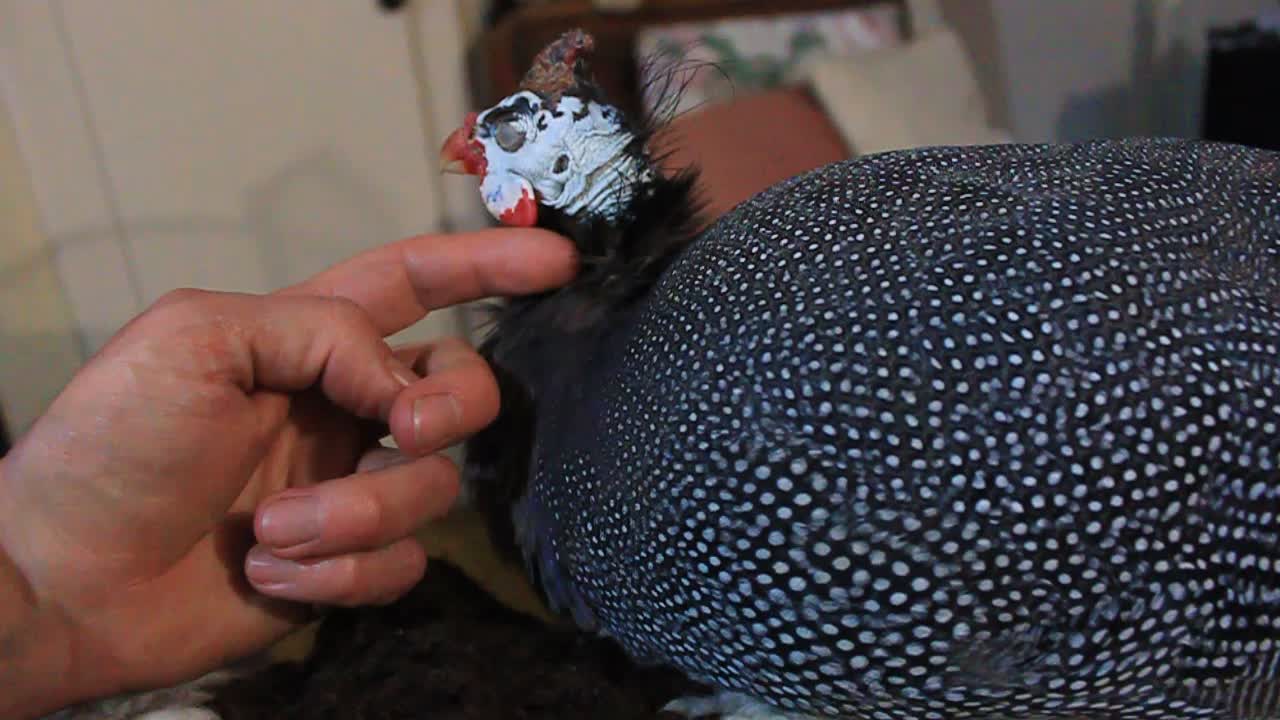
x=38, y=671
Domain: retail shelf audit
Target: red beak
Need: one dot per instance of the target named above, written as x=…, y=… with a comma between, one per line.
x=462, y=153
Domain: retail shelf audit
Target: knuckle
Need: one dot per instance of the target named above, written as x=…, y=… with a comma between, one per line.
x=489, y=395
x=405, y=562
x=412, y=353
x=454, y=345
x=467, y=377
x=367, y=513
x=182, y=296
x=179, y=306
x=443, y=468
x=453, y=354
x=446, y=483
x=413, y=559
x=478, y=395
x=346, y=312
x=201, y=326
x=345, y=588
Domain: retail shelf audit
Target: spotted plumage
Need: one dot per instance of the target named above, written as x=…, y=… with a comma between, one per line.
x=941, y=433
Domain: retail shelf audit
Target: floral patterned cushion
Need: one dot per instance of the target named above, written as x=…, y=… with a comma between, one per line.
x=711, y=62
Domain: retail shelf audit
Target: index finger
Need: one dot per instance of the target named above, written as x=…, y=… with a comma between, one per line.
x=399, y=283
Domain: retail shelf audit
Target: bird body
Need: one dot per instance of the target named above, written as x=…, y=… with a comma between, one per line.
x=939, y=433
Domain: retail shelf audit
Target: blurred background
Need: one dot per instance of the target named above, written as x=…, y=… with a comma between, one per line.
x=243, y=145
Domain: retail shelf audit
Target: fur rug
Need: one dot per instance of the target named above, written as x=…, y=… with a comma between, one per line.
x=446, y=651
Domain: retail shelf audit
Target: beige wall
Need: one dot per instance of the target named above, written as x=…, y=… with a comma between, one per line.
x=1063, y=70
x=38, y=342
x=236, y=145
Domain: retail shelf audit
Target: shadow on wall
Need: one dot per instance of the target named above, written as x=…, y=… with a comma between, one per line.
x=1100, y=114
x=314, y=213
x=1159, y=99
x=87, y=240
x=42, y=363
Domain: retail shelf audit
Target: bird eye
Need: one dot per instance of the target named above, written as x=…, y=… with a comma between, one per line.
x=509, y=135
x=562, y=164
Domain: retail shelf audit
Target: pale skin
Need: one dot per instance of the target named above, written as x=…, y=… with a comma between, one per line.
x=213, y=472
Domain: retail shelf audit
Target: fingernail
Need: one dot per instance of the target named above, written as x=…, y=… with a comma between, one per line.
x=290, y=521
x=402, y=373
x=263, y=568
x=434, y=418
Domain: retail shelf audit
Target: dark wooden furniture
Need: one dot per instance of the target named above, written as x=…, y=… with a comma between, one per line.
x=500, y=58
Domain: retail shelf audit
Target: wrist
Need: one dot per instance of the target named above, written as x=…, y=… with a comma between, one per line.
x=38, y=646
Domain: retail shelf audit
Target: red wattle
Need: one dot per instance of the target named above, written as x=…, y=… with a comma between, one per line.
x=523, y=214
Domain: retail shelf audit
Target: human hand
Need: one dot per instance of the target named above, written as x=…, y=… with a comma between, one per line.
x=215, y=467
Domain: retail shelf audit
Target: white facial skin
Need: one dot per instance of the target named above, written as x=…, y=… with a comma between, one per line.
x=571, y=159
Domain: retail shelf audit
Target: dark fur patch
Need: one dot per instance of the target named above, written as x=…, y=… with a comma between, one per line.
x=448, y=649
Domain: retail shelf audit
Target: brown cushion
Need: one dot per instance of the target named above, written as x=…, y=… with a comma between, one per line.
x=752, y=142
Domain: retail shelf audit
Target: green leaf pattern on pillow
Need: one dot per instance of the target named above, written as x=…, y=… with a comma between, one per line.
x=716, y=61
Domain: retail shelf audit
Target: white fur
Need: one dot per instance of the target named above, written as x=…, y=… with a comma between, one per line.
x=180, y=702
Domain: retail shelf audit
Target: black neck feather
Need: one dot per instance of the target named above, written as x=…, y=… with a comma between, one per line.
x=619, y=258
x=537, y=341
